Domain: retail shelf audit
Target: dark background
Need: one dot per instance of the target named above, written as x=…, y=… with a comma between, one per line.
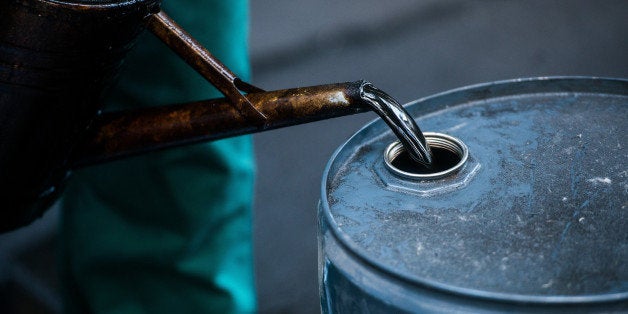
x=411, y=49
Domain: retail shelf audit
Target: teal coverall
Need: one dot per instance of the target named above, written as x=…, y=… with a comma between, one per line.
x=167, y=232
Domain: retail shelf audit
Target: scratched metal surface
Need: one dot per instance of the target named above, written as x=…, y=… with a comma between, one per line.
x=538, y=214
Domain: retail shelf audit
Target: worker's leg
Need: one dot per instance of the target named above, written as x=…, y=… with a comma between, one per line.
x=168, y=232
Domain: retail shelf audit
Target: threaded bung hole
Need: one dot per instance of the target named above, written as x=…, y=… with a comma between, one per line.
x=443, y=159
x=449, y=155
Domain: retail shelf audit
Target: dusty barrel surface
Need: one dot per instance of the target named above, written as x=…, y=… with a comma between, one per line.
x=535, y=219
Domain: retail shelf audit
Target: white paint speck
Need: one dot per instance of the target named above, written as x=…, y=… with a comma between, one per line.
x=581, y=220
x=597, y=180
x=337, y=98
x=419, y=248
x=547, y=285
x=565, y=198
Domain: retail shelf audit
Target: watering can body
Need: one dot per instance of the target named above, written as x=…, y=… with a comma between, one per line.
x=56, y=61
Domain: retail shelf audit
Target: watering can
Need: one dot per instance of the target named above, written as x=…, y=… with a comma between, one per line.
x=57, y=60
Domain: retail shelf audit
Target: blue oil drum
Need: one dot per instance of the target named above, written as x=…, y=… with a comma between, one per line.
x=534, y=217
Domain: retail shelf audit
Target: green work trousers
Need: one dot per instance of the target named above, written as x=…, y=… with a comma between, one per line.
x=169, y=231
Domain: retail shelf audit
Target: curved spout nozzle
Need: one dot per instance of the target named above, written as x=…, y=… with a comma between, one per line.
x=400, y=122
x=120, y=134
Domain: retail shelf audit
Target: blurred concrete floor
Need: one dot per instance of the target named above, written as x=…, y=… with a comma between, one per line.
x=410, y=49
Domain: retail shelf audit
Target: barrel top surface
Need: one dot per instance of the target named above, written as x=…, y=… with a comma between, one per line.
x=538, y=213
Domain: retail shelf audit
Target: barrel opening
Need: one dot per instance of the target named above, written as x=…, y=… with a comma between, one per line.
x=449, y=155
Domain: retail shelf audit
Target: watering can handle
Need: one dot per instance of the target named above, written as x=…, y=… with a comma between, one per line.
x=201, y=60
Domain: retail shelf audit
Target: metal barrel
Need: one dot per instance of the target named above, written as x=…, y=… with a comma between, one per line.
x=534, y=217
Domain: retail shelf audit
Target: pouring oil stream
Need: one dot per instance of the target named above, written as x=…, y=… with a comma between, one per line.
x=401, y=123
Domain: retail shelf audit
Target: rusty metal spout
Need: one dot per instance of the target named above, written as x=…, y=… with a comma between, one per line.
x=201, y=60
x=125, y=133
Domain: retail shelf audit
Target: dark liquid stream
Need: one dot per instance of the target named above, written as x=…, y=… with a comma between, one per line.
x=444, y=159
x=401, y=123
